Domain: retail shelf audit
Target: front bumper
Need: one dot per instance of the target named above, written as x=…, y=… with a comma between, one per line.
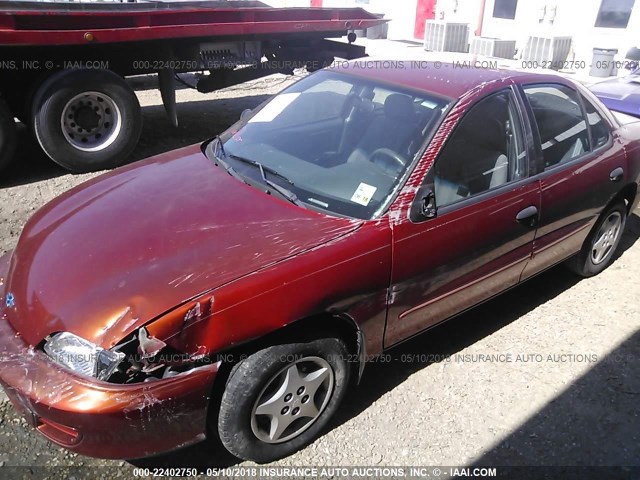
x=103, y=419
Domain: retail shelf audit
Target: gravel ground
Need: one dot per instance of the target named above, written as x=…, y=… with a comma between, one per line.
x=566, y=394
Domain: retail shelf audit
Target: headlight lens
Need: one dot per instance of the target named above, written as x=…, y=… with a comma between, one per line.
x=82, y=356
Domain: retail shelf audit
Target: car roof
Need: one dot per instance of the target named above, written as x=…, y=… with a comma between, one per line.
x=452, y=79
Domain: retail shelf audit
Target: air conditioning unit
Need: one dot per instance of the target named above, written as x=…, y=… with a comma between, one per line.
x=493, y=47
x=549, y=50
x=446, y=36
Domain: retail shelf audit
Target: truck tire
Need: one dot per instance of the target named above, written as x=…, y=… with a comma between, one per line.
x=86, y=120
x=7, y=135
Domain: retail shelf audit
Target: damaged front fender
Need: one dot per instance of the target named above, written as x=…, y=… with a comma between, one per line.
x=104, y=419
x=148, y=358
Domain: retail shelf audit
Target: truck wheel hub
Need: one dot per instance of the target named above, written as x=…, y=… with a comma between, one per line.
x=91, y=121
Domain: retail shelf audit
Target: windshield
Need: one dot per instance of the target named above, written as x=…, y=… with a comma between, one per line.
x=337, y=142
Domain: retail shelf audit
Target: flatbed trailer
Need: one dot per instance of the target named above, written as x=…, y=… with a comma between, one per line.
x=63, y=64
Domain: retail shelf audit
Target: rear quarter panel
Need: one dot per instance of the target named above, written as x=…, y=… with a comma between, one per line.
x=630, y=136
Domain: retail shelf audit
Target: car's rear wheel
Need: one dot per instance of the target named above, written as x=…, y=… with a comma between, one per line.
x=279, y=399
x=600, y=246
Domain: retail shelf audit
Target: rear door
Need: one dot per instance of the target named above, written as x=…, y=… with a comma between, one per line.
x=578, y=158
x=481, y=238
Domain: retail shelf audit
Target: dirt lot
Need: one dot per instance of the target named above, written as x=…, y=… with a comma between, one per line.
x=568, y=396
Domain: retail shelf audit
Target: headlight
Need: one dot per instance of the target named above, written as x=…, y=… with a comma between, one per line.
x=82, y=356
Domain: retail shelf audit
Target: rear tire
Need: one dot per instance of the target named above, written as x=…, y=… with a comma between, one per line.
x=601, y=244
x=279, y=399
x=7, y=135
x=86, y=120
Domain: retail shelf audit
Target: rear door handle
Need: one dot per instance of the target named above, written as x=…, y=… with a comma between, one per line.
x=528, y=216
x=616, y=175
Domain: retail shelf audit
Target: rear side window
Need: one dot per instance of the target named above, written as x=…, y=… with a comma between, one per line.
x=599, y=128
x=561, y=123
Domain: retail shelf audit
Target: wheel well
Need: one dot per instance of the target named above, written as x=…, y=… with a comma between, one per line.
x=303, y=330
x=628, y=194
x=307, y=329
x=19, y=91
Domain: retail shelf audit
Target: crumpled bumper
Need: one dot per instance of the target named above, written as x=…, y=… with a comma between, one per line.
x=103, y=419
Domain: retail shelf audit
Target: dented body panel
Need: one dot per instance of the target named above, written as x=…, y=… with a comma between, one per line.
x=107, y=420
x=214, y=269
x=130, y=245
x=348, y=276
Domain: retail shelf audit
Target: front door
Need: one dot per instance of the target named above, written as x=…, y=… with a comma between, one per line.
x=482, y=235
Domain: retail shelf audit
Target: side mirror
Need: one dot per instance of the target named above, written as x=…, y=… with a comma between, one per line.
x=424, y=205
x=245, y=114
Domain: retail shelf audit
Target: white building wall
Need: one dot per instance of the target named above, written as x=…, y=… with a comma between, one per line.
x=459, y=11
x=402, y=14
x=574, y=18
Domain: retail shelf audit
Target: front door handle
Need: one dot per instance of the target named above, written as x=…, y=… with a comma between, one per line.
x=616, y=175
x=528, y=216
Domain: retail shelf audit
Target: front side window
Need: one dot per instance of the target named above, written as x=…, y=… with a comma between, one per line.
x=561, y=124
x=341, y=143
x=485, y=151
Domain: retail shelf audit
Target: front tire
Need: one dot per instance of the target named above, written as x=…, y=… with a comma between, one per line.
x=279, y=399
x=86, y=120
x=600, y=246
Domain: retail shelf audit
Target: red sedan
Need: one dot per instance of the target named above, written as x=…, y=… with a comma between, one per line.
x=240, y=286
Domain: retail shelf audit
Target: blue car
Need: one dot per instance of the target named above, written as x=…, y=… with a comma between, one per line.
x=620, y=94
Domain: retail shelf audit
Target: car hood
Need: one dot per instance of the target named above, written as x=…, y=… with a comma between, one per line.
x=620, y=94
x=128, y=246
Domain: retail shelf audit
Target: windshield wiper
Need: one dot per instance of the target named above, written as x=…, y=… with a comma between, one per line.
x=228, y=168
x=261, y=167
x=285, y=192
x=220, y=145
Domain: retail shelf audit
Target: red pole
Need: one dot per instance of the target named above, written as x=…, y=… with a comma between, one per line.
x=316, y=3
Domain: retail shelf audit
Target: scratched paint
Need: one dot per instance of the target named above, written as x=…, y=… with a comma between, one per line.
x=172, y=254
x=257, y=256
x=89, y=405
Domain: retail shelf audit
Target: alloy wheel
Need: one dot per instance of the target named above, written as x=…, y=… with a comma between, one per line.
x=606, y=238
x=293, y=399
